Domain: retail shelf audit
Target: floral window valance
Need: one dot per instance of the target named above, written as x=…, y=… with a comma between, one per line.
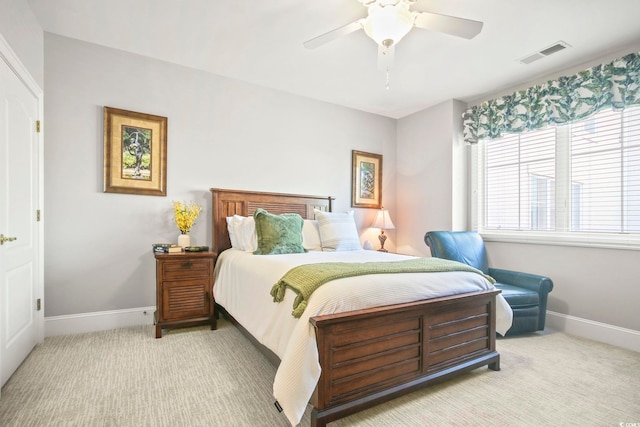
x=569, y=98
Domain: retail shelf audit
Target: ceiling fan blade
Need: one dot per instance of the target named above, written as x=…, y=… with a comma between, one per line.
x=385, y=57
x=333, y=34
x=452, y=25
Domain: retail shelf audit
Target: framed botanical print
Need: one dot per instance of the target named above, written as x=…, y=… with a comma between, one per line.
x=135, y=153
x=366, y=177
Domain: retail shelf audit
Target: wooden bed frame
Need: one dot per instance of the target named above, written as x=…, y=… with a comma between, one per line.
x=374, y=355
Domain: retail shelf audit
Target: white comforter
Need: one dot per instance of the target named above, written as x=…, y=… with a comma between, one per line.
x=243, y=282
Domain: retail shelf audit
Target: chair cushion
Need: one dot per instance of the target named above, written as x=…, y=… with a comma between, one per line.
x=518, y=297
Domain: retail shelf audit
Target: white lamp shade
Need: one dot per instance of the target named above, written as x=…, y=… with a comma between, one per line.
x=383, y=221
x=391, y=22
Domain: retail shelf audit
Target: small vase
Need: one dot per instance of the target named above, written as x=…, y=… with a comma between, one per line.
x=184, y=240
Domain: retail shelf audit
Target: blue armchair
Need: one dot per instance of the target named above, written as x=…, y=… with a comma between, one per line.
x=525, y=293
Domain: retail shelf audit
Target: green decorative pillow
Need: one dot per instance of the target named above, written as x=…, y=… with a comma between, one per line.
x=278, y=234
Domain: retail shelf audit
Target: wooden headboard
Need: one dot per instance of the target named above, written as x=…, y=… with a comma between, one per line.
x=237, y=202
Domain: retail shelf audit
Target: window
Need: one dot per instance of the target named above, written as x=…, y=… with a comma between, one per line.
x=519, y=186
x=566, y=182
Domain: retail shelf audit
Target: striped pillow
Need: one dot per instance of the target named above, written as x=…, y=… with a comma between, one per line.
x=338, y=231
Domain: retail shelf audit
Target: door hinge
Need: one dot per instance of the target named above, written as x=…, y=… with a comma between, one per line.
x=38, y=215
x=38, y=304
x=38, y=126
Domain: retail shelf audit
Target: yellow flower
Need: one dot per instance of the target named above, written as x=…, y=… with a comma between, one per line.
x=185, y=215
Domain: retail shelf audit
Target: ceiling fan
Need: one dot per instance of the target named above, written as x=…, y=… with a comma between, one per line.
x=388, y=21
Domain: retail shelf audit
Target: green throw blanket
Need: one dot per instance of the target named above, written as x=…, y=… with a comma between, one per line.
x=304, y=279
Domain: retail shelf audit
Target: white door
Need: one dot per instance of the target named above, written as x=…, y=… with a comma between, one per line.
x=19, y=183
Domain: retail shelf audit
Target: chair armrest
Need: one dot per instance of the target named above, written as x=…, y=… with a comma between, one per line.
x=541, y=284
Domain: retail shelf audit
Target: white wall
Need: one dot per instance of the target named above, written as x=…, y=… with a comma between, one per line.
x=221, y=133
x=21, y=30
x=431, y=175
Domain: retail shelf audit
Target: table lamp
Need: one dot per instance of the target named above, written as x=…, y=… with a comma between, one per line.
x=383, y=222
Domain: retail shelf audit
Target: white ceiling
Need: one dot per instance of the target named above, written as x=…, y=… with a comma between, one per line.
x=260, y=41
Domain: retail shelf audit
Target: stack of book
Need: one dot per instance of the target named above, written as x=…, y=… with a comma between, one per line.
x=166, y=248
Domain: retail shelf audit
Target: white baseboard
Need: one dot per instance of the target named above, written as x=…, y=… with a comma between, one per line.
x=104, y=320
x=608, y=334
x=98, y=321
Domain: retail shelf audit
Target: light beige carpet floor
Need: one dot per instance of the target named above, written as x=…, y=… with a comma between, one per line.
x=198, y=377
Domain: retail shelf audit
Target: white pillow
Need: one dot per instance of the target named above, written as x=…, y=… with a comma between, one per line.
x=338, y=231
x=232, y=232
x=246, y=233
x=311, y=235
x=243, y=230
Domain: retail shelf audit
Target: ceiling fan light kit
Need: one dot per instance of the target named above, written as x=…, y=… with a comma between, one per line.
x=387, y=24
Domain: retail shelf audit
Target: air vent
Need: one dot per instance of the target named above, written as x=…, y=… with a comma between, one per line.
x=556, y=47
x=530, y=59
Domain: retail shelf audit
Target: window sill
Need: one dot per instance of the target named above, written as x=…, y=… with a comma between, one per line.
x=586, y=240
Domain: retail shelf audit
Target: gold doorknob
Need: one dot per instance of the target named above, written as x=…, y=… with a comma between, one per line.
x=6, y=239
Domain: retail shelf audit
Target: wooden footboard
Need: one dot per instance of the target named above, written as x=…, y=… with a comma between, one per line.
x=371, y=356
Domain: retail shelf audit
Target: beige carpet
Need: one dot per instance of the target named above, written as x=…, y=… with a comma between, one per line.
x=198, y=377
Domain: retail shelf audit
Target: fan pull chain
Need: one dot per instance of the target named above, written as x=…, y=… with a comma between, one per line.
x=388, y=81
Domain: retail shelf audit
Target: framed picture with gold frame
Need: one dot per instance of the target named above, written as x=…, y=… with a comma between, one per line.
x=135, y=153
x=366, y=177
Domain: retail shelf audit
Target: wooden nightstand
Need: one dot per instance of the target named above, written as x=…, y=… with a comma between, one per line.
x=184, y=290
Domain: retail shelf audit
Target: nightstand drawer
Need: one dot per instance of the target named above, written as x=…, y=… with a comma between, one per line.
x=181, y=269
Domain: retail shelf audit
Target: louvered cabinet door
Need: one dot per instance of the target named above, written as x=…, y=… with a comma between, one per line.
x=184, y=294
x=184, y=299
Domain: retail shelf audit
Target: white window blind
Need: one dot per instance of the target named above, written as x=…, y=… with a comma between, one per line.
x=605, y=166
x=520, y=182
x=579, y=178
